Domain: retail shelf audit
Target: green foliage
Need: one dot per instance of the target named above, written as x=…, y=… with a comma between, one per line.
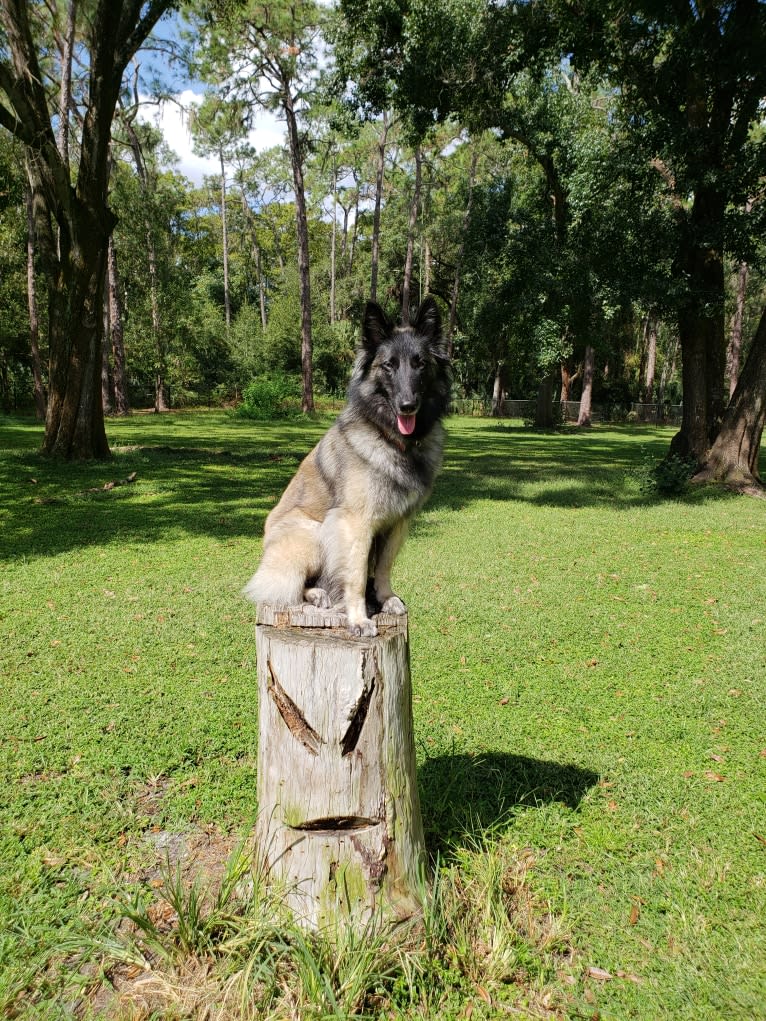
x=272, y=396
x=667, y=478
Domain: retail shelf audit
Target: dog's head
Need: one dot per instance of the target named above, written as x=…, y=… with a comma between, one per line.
x=402, y=372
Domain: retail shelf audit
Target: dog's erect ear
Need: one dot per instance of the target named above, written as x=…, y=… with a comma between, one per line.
x=376, y=326
x=427, y=320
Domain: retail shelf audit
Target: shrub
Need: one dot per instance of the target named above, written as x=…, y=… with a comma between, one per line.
x=669, y=477
x=272, y=396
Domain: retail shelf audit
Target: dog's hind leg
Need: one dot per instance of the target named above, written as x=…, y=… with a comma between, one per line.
x=318, y=597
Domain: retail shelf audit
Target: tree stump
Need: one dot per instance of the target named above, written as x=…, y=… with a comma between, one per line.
x=339, y=825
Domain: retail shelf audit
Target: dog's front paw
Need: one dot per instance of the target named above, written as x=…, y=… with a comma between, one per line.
x=394, y=605
x=362, y=628
x=317, y=597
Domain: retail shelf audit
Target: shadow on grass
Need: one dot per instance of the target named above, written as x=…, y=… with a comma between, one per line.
x=475, y=795
x=569, y=469
x=198, y=476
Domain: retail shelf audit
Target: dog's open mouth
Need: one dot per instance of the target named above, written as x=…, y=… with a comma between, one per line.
x=406, y=424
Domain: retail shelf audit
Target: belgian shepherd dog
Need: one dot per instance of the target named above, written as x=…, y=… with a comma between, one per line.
x=333, y=537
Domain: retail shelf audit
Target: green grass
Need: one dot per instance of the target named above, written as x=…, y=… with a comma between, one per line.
x=589, y=670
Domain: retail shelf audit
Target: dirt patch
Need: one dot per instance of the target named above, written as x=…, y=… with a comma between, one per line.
x=201, y=857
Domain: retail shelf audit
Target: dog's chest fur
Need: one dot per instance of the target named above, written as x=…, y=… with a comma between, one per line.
x=381, y=480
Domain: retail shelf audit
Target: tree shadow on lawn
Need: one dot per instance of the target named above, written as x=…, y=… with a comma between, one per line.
x=466, y=795
x=569, y=469
x=50, y=507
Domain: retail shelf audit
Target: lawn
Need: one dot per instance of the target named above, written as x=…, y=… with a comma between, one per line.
x=589, y=674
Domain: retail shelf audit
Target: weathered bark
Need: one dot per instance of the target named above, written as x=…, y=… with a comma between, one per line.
x=733, y=456
x=379, y=168
x=302, y=229
x=116, y=334
x=34, y=316
x=75, y=261
x=411, y=227
x=584, y=417
x=734, y=350
x=339, y=825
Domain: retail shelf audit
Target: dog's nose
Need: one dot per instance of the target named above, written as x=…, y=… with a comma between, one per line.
x=408, y=407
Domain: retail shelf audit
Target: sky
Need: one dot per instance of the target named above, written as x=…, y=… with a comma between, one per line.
x=172, y=117
x=173, y=121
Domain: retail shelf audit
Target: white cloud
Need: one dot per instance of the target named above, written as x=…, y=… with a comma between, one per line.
x=171, y=117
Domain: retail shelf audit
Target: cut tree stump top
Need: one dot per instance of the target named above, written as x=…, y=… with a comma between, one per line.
x=308, y=616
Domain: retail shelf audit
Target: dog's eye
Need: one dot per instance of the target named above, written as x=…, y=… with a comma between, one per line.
x=392, y=364
x=417, y=362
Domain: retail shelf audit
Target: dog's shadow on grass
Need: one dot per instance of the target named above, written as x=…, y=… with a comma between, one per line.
x=466, y=795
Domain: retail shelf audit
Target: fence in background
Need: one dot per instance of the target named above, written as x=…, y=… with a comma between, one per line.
x=650, y=414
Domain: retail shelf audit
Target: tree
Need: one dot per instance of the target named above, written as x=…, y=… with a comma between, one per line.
x=218, y=126
x=692, y=79
x=733, y=456
x=266, y=53
x=73, y=222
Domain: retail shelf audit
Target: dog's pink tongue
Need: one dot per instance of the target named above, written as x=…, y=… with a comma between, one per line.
x=406, y=424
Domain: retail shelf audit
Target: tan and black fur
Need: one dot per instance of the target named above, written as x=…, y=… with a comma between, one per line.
x=344, y=516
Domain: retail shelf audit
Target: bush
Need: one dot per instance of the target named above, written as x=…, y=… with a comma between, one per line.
x=670, y=477
x=273, y=396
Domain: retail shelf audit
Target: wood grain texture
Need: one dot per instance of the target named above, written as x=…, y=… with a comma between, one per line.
x=338, y=811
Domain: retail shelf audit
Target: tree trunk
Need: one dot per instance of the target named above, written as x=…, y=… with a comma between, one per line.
x=65, y=92
x=106, y=396
x=338, y=811
x=568, y=379
x=302, y=229
x=668, y=369
x=160, y=385
x=701, y=328
x=116, y=335
x=379, y=168
x=651, y=360
x=584, y=418
x=733, y=457
x=333, y=237
x=34, y=316
x=74, y=422
x=225, y=232
x=498, y=391
x=544, y=404
x=411, y=227
x=734, y=351
x=261, y=284
x=452, y=320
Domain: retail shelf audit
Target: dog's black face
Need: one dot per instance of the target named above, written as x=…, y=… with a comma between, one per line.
x=402, y=373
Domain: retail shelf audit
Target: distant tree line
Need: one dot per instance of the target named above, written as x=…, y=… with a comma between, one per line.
x=580, y=185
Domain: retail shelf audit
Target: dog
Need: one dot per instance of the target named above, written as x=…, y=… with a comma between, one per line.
x=333, y=537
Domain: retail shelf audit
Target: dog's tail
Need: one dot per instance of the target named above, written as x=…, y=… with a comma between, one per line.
x=288, y=561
